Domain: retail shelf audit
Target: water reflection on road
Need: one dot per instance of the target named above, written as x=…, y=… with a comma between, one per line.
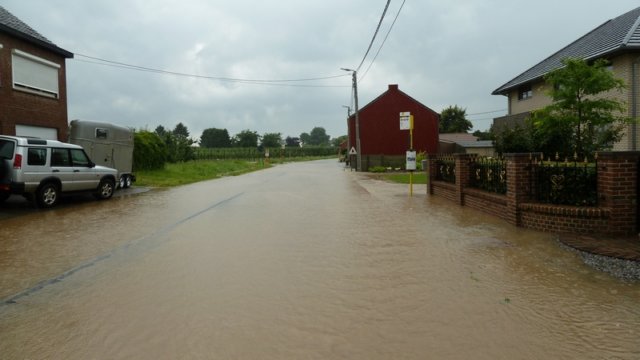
x=299, y=261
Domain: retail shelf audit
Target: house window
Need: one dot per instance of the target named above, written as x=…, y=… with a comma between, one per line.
x=34, y=75
x=525, y=92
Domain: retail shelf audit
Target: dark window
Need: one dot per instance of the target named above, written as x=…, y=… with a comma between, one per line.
x=36, y=156
x=60, y=157
x=79, y=158
x=6, y=149
x=101, y=133
x=525, y=92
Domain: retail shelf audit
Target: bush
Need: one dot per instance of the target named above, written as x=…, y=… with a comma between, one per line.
x=377, y=169
x=149, y=151
x=178, y=148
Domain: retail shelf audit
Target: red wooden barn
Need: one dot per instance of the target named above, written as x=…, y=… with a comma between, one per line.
x=381, y=141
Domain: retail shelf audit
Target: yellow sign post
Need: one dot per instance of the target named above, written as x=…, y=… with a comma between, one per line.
x=414, y=155
x=406, y=123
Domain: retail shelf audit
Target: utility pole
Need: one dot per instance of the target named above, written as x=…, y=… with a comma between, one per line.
x=355, y=96
x=347, y=156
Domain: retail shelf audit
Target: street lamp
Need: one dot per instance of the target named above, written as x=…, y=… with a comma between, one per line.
x=355, y=95
x=348, y=110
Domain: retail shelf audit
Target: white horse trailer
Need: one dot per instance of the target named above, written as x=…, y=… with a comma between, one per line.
x=108, y=145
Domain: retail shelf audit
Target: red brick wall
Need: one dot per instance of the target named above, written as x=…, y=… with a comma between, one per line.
x=616, y=213
x=571, y=219
x=447, y=191
x=489, y=203
x=18, y=107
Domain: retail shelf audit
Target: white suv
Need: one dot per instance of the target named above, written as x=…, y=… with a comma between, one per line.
x=43, y=169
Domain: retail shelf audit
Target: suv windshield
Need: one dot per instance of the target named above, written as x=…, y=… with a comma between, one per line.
x=6, y=149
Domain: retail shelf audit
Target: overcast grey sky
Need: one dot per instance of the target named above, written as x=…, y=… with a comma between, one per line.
x=441, y=53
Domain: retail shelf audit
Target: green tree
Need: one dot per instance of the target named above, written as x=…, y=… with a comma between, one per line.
x=215, y=138
x=580, y=116
x=335, y=142
x=482, y=135
x=272, y=140
x=305, y=138
x=181, y=130
x=177, y=143
x=160, y=130
x=318, y=136
x=246, y=138
x=292, y=141
x=517, y=139
x=454, y=120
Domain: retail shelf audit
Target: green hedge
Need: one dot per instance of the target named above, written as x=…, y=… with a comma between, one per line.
x=149, y=151
x=256, y=154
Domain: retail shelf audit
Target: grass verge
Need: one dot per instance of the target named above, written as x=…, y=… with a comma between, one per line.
x=194, y=171
x=200, y=170
x=403, y=178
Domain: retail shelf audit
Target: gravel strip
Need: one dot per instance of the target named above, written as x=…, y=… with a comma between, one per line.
x=622, y=269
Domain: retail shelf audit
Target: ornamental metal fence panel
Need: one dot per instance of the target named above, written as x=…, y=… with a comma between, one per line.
x=446, y=169
x=488, y=174
x=565, y=181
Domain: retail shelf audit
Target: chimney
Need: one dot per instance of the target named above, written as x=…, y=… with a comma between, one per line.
x=393, y=87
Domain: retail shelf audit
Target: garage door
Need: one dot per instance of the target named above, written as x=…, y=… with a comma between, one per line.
x=37, y=131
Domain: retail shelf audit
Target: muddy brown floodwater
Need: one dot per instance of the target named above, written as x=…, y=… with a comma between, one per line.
x=299, y=261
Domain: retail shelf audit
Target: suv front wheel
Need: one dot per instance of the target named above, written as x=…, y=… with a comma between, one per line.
x=105, y=189
x=48, y=195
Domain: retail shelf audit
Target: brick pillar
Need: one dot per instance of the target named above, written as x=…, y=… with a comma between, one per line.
x=518, y=183
x=431, y=169
x=462, y=174
x=618, y=188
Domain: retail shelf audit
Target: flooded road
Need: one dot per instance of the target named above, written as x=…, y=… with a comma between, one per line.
x=299, y=261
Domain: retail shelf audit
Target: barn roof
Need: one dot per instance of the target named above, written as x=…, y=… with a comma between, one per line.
x=393, y=88
x=619, y=34
x=10, y=24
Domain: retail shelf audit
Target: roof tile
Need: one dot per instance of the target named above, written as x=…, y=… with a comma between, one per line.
x=11, y=24
x=613, y=35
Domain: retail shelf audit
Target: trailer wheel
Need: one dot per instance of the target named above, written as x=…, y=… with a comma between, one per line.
x=128, y=181
x=122, y=183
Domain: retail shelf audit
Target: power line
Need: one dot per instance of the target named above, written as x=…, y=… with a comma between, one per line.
x=374, y=35
x=488, y=112
x=383, y=41
x=483, y=119
x=272, y=82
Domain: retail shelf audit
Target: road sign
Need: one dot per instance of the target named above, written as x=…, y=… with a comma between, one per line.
x=353, y=151
x=405, y=120
x=411, y=160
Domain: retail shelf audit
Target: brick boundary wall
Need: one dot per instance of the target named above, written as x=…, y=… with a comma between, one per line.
x=493, y=204
x=616, y=213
